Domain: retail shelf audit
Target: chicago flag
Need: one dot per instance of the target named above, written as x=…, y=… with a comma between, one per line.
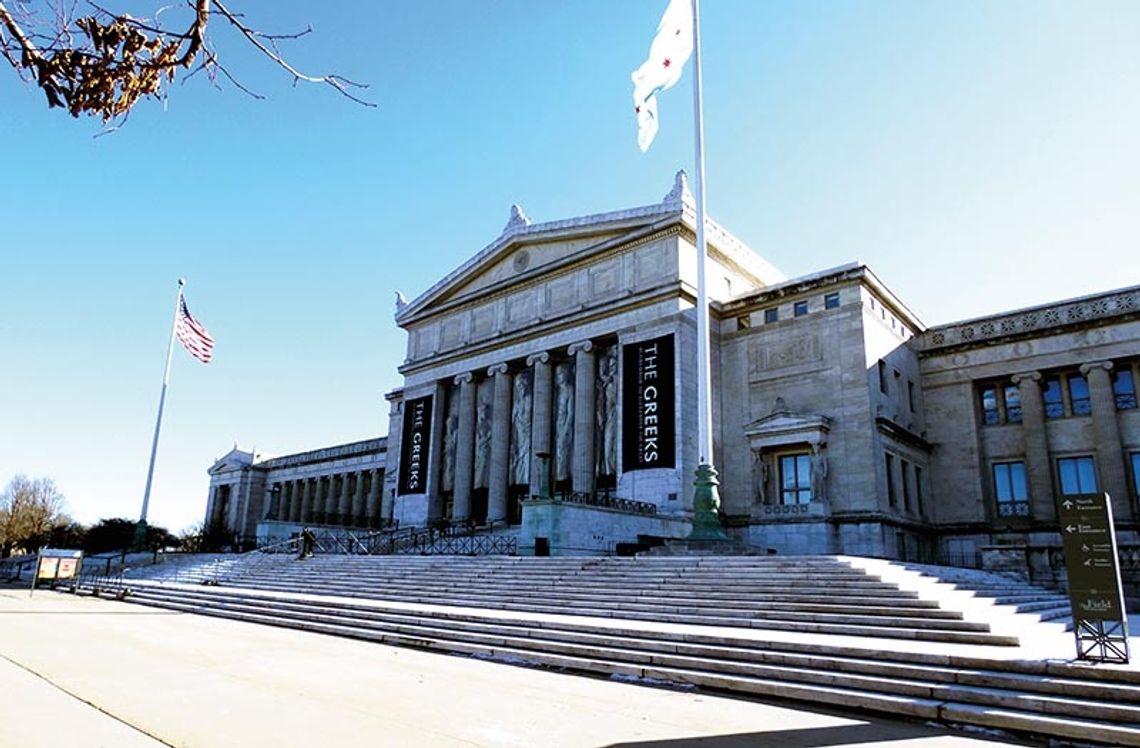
x=671, y=48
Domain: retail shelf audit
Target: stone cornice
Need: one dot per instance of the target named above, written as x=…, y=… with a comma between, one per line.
x=341, y=451
x=1035, y=321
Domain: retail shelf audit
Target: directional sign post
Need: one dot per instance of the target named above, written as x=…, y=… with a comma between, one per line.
x=1095, y=593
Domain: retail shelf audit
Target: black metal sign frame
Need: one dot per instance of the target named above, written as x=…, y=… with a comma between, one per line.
x=1100, y=623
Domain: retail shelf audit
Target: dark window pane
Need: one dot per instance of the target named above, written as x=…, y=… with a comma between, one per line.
x=890, y=466
x=831, y=301
x=1124, y=389
x=1079, y=395
x=1135, y=459
x=882, y=376
x=799, y=308
x=1012, y=404
x=990, y=406
x=1051, y=397
x=1001, y=482
x=771, y=315
x=910, y=394
x=1077, y=475
x=1018, y=487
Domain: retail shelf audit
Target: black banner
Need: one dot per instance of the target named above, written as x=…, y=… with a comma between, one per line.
x=648, y=405
x=415, y=444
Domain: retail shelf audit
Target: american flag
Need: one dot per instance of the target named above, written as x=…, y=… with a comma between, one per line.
x=193, y=335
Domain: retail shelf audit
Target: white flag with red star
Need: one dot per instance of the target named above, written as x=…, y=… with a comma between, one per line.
x=668, y=53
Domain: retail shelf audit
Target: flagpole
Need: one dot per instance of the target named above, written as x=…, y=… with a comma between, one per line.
x=706, y=498
x=140, y=533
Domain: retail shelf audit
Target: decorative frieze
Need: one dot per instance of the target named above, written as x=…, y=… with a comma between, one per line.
x=1032, y=321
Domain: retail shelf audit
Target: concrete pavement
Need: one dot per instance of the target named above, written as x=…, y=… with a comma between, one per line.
x=78, y=671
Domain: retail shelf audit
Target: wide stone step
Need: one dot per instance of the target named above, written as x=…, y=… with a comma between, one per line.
x=920, y=618
x=734, y=586
x=893, y=602
x=922, y=697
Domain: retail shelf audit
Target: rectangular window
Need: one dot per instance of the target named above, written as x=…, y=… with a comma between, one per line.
x=1010, y=489
x=795, y=479
x=904, y=467
x=882, y=376
x=1012, y=404
x=1079, y=395
x=918, y=490
x=1134, y=458
x=771, y=315
x=799, y=309
x=990, y=414
x=910, y=394
x=1124, y=388
x=1077, y=475
x=890, y=465
x=1052, y=399
x=831, y=301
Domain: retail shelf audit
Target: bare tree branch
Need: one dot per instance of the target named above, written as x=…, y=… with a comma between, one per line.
x=103, y=64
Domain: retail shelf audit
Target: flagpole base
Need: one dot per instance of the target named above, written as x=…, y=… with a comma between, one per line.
x=706, y=503
x=139, y=542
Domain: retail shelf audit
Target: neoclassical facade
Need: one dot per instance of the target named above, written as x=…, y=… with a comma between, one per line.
x=273, y=498
x=550, y=382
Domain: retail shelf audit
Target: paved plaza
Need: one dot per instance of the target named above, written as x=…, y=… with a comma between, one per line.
x=85, y=672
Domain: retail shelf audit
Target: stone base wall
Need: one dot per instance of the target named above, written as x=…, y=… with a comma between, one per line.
x=793, y=538
x=580, y=530
x=411, y=510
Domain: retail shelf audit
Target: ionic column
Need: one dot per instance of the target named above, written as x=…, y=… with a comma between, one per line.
x=377, y=507
x=211, y=506
x=307, y=491
x=320, y=497
x=464, y=448
x=499, y=477
x=276, y=500
x=295, y=502
x=285, y=496
x=540, y=420
x=1109, y=455
x=358, y=497
x=583, y=478
x=344, y=506
x=1037, y=465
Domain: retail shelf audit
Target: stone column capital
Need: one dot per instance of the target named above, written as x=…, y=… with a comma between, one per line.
x=1094, y=365
x=465, y=378
x=584, y=346
x=1026, y=376
x=541, y=357
x=496, y=369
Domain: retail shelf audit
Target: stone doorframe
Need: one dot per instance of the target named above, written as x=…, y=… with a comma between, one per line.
x=781, y=429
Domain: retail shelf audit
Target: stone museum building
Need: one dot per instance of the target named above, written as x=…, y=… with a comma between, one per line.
x=549, y=391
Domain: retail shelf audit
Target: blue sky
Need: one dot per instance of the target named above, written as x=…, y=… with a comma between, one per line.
x=979, y=156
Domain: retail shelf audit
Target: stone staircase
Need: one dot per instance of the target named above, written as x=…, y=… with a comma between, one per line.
x=816, y=629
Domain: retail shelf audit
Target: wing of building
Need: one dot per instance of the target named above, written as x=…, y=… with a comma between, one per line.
x=550, y=390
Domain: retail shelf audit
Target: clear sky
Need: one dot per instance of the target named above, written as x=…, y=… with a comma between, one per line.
x=979, y=156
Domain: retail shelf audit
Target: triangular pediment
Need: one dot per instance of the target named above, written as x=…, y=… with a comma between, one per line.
x=235, y=459
x=526, y=250
x=782, y=426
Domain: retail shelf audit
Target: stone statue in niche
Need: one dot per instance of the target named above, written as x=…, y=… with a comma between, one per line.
x=606, y=411
x=563, y=419
x=759, y=477
x=521, y=404
x=484, y=399
x=818, y=473
x=450, y=431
